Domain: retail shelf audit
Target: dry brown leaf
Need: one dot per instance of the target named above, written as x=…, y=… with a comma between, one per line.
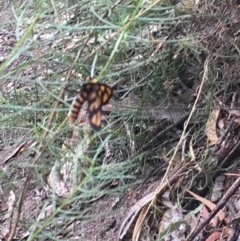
x=221, y=215
x=191, y=150
x=133, y=212
x=57, y=184
x=7, y=218
x=205, y=214
x=211, y=127
x=138, y=225
x=46, y=212
x=11, y=204
x=227, y=231
x=9, y=152
x=214, y=236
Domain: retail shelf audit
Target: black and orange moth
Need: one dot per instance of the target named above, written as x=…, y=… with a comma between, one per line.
x=96, y=95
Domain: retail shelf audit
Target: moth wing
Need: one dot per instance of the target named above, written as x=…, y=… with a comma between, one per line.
x=95, y=119
x=97, y=95
x=105, y=92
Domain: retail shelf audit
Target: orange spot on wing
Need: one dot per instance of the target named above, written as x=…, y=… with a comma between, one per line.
x=96, y=120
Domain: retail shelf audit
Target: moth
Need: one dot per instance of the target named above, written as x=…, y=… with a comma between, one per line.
x=97, y=95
